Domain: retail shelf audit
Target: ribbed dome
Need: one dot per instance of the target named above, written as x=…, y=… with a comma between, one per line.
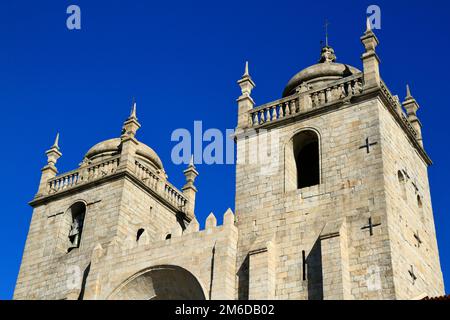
x=320, y=74
x=112, y=147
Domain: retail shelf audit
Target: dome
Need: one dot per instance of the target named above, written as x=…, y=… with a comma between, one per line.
x=322, y=73
x=112, y=147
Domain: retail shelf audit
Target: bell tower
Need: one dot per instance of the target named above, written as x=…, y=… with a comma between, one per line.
x=332, y=193
x=118, y=200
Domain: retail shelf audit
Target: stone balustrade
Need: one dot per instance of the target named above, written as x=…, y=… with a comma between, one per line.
x=174, y=196
x=82, y=175
x=152, y=180
x=336, y=91
x=307, y=100
x=105, y=168
x=275, y=110
x=146, y=175
x=63, y=182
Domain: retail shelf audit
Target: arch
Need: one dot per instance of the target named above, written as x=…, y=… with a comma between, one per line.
x=139, y=234
x=302, y=160
x=165, y=282
x=402, y=182
x=71, y=227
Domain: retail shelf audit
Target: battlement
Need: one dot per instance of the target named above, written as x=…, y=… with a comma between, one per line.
x=178, y=236
x=212, y=250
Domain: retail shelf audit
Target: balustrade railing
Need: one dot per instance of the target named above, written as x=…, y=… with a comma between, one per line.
x=304, y=101
x=82, y=175
x=151, y=179
x=174, y=196
x=65, y=181
x=99, y=170
x=146, y=175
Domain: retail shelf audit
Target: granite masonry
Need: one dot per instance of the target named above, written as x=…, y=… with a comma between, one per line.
x=332, y=202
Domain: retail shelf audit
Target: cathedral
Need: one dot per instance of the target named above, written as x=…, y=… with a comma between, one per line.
x=341, y=211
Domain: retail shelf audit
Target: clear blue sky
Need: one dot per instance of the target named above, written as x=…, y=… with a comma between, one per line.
x=181, y=60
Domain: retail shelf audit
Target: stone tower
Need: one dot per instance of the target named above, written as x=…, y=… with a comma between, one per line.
x=116, y=228
x=332, y=202
x=332, y=194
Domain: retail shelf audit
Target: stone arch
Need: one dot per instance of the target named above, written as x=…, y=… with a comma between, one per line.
x=139, y=233
x=402, y=182
x=311, y=138
x=67, y=240
x=164, y=282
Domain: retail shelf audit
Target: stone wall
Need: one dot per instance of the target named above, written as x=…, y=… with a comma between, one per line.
x=351, y=190
x=209, y=255
x=116, y=208
x=407, y=216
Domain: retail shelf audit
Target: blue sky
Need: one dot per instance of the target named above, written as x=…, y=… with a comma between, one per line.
x=181, y=60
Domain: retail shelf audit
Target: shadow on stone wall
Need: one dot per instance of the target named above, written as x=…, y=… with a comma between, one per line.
x=243, y=280
x=314, y=267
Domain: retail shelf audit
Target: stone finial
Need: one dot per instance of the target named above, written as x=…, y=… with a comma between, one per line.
x=246, y=74
x=193, y=226
x=53, y=154
x=370, y=59
x=245, y=101
x=189, y=189
x=411, y=106
x=211, y=221
x=49, y=170
x=131, y=124
x=408, y=92
x=410, y=103
x=133, y=111
x=369, y=39
x=56, y=143
x=228, y=217
x=246, y=83
x=368, y=25
x=128, y=144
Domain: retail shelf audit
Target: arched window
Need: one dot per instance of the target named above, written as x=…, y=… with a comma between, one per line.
x=306, y=154
x=419, y=201
x=402, y=182
x=76, y=215
x=139, y=234
x=168, y=236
